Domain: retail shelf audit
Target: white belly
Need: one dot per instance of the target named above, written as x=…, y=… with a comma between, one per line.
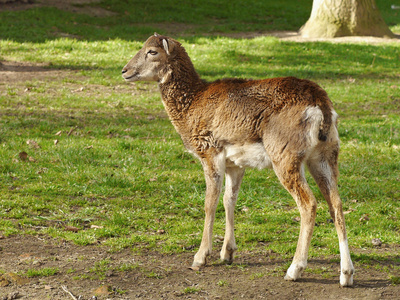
x=248, y=156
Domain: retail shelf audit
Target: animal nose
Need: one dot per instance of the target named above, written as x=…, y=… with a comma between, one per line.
x=124, y=70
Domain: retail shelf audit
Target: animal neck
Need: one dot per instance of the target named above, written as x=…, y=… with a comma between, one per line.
x=179, y=86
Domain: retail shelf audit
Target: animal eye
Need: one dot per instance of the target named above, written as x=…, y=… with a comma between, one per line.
x=152, y=52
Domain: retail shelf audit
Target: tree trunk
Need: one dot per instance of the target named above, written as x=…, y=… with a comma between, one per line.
x=334, y=18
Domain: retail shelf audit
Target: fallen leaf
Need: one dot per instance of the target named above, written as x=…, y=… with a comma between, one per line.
x=364, y=218
x=78, y=90
x=71, y=130
x=296, y=219
x=161, y=231
x=31, y=159
x=348, y=211
x=245, y=209
x=71, y=228
x=89, y=147
x=58, y=133
x=103, y=290
x=55, y=142
x=23, y=155
x=153, y=179
x=96, y=227
x=26, y=255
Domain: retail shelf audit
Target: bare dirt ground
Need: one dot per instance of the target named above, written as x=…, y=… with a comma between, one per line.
x=254, y=275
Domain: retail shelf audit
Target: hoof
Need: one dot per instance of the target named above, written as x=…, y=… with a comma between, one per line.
x=227, y=255
x=288, y=278
x=346, y=280
x=294, y=272
x=197, y=265
x=227, y=261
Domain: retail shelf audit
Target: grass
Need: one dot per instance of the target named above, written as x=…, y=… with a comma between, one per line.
x=136, y=20
x=44, y=272
x=222, y=283
x=118, y=163
x=395, y=279
x=190, y=290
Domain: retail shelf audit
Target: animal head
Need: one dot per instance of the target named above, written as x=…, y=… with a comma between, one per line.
x=150, y=63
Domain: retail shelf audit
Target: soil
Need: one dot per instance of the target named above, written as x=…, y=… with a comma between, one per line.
x=13, y=73
x=253, y=275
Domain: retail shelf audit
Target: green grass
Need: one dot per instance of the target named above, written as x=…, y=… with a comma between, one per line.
x=190, y=290
x=44, y=272
x=136, y=20
x=124, y=169
x=395, y=279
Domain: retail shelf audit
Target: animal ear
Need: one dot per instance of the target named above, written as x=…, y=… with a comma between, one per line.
x=156, y=34
x=166, y=46
x=169, y=45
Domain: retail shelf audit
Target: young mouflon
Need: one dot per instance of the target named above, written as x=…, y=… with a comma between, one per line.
x=285, y=124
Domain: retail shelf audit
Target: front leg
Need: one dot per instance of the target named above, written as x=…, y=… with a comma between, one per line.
x=213, y=170
x=233, y=179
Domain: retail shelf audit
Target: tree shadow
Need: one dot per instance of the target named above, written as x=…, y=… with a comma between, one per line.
x=39, y=21
x=13, y=66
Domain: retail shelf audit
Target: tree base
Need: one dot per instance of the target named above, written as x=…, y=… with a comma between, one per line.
x=337, y=18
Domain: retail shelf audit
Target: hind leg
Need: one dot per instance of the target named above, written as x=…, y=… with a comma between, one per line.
x=292, y=178
x=324, y=169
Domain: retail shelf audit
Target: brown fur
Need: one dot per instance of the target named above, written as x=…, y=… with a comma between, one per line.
x=284, y=123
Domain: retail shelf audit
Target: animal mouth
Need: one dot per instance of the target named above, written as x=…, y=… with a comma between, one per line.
x=136, y=74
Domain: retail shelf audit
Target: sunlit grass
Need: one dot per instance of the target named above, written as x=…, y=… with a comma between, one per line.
x=119, y=165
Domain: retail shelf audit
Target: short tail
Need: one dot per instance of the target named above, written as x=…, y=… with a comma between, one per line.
x=325, y=126
x=320, y=123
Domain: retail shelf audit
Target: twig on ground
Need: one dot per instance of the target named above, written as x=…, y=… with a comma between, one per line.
x=71, y=130
x=66, y=290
